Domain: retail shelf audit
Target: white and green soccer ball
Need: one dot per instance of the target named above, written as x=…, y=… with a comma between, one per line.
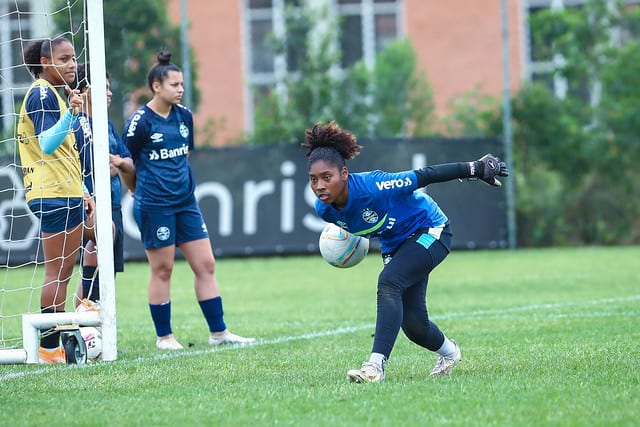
x=340, y=248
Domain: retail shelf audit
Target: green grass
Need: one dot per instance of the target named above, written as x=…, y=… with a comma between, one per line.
x=549, y=337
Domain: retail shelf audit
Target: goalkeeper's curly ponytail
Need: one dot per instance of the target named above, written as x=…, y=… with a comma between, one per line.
x=330, y=143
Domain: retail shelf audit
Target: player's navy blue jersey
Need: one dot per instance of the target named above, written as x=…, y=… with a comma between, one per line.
x=84, y=140
x=159, y=148
x=384, y=205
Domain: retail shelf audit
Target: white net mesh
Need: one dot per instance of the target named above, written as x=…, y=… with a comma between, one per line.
x=21, y=254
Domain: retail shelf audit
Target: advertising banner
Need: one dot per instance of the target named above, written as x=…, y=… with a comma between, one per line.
x=257, y=202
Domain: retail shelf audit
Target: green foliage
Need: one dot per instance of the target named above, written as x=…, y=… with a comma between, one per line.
x=401, y=94
x=284, y=112
x=473, y=114
x=590, y=136
x=8, y=145
x=134, y=32
x=575, y=156
x=389, y=99
x=352, y=112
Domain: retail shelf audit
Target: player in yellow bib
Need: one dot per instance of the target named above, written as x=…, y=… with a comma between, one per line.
x=52, y=173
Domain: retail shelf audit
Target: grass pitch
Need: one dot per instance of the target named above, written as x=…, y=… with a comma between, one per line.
x=549, y=338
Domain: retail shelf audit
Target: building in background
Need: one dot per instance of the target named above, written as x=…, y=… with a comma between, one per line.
x=458, y=43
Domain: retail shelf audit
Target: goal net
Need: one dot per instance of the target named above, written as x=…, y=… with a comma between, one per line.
x=21, y=254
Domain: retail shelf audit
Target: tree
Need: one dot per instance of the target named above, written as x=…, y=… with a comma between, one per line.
x=575, y=156
x=390, y=99
x=134, y=32
x=588, y=140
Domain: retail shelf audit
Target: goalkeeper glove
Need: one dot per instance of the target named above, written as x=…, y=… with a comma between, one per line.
x=487, y=168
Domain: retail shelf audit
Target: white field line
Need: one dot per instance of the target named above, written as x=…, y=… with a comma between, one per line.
x=496, y=313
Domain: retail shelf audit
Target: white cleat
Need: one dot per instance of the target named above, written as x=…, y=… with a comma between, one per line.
x=226, y=337
x=445, y=364
x=168, y=343
x=369, y=373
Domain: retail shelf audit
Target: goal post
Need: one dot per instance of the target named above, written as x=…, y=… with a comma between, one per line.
x=21, y=256
x=95, y=25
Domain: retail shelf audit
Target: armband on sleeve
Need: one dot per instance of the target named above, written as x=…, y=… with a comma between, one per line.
x=51, y=138
x=443, y=172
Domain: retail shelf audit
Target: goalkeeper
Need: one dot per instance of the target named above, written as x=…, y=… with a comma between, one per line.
x=52, y=174
x=414, y=233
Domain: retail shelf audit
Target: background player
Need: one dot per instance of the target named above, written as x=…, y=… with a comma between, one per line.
x=120, y=162
x=160, y=136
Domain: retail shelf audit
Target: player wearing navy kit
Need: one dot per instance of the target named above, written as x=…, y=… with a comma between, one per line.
x=414, y=233
x=160, y=136
x=119, y=163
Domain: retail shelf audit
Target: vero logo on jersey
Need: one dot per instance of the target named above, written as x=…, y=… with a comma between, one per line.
x=43, y=92
x=393, y=183
x=134, y=123
x=166, y=153
x=157, y=137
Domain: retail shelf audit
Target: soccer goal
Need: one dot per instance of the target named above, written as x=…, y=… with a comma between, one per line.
x=21, y=257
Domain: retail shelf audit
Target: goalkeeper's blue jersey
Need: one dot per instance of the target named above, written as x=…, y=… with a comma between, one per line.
x=384, y=205
x=159, y=148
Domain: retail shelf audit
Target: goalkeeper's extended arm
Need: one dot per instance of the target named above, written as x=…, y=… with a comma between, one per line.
x=51, y=138
x=486, y=169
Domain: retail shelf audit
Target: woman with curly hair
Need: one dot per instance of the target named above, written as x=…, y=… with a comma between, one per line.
x=414, y=233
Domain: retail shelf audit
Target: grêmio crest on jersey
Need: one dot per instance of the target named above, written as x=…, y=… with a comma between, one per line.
x=184, y=130
x=369, y=216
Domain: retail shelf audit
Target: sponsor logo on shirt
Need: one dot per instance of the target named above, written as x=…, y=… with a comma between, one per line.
x=86, y=128
x=394, y=183
x=134, y=122
x=169, y=153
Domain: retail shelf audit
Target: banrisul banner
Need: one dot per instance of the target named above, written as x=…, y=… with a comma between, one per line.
x=256, y=199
